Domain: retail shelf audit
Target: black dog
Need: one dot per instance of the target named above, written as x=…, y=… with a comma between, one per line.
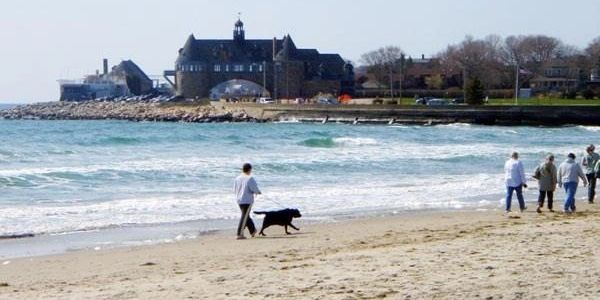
x=281, y=218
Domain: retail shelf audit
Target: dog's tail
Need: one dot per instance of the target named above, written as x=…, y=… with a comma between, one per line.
x=260, y=212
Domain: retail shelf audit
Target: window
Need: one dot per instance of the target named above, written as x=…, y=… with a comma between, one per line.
x=251, y=68
x=238, y=68
x=217, y=68
x=226, y=68
x=260, y=68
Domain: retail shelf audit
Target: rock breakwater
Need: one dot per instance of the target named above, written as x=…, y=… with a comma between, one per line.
x=131, y=111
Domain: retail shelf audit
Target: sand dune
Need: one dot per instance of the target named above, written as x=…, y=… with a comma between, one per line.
x=456, y=255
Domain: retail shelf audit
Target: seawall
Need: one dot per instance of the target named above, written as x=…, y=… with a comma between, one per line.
x=485, y=115
x=251, y=112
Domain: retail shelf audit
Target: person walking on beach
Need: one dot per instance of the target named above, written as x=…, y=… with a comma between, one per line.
x=569, y=173
x=546, y=175
x=514, y=175
x=589, y=161
x=245, y=187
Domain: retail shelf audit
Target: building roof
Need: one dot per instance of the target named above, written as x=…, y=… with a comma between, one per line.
x=128, y=67
x=208, y=51
x=249, y=50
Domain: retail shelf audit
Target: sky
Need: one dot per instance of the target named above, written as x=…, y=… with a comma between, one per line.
x=42, y=41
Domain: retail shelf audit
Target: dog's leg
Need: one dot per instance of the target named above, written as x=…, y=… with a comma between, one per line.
x=262, y=233
x=296, y=228
x=286, y=230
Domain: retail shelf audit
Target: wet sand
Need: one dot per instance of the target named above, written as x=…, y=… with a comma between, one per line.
x=429, y=255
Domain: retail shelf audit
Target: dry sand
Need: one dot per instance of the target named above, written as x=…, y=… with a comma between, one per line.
x=456, y=255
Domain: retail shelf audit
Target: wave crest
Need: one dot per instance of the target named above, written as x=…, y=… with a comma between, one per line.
x=337, y=142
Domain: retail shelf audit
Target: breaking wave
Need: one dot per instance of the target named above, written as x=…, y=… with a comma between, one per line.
x=337, y=142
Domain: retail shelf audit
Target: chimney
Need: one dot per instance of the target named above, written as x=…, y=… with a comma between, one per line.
x=423, y=56
x=105, y=64
x=274, y=47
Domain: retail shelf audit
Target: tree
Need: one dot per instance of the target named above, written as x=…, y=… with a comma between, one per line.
x=532, y=52
x=593, y=54
x=475, y=92
x=479, y=58
x=434, y=82
x=384, y=63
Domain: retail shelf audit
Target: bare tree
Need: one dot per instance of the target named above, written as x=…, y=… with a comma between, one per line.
x=593, y=52
x=475, y=58
x=384, y=63
x=533, y=52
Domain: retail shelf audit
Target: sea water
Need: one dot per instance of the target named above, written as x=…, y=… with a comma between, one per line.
x=126, y=183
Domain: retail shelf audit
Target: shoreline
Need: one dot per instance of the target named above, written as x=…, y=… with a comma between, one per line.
x=144, y=235
x=443, y=255
x=221, y=112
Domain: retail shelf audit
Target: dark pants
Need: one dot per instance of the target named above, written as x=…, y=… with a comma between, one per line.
x=591, y=187
x=245, y=218
x=542, y=197
x=509, y=194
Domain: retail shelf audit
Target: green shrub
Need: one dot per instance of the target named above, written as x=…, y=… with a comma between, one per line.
x=571, y=94
x=475, y=93
x=588, y=94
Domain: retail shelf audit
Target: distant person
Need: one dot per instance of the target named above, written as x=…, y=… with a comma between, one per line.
x=545, y=173
x=589, y=161
x=245, y=187
x=514, y=175
x=569, y=173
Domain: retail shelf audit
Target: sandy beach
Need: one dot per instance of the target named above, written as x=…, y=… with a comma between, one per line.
x=428, y=255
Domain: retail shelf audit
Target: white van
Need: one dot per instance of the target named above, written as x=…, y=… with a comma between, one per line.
x=265, y=100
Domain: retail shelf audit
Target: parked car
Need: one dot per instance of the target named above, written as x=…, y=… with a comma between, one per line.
x=266, y=100
x=459, y=100
x=423, y=101
x=437, y=102
x=327, y=101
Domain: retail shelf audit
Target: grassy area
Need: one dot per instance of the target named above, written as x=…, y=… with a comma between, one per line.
x=544, y=101
x=532, y=101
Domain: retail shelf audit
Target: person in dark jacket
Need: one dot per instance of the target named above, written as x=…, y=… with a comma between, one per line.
x=546, y=173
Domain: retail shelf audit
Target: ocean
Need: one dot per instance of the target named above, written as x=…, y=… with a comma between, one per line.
x=98, y=184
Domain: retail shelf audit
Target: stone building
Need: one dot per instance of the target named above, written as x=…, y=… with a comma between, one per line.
x=257, y=67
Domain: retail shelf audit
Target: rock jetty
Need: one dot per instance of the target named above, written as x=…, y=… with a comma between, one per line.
x=131, y=111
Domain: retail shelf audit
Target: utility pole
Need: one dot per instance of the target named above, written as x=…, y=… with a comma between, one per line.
x=464, y=78
x=402, y=67
x=264, y=78
x=287, y=79
x=392, y=81
x=275, y=71
x=517, y=84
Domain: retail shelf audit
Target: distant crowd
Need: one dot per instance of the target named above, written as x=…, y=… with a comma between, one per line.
x=567, y=176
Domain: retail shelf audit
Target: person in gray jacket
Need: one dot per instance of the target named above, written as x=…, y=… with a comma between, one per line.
x=589, y=161
x=569, y=173
x=546, y=173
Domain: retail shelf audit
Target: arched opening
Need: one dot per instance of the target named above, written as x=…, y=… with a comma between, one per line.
x=238, y=88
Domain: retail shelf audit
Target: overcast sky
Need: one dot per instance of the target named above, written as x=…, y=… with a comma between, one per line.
x=43, y=41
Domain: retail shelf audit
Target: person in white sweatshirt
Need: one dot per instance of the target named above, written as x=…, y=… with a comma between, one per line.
x=514, y=176
x=245, y=187
x=569, y=174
